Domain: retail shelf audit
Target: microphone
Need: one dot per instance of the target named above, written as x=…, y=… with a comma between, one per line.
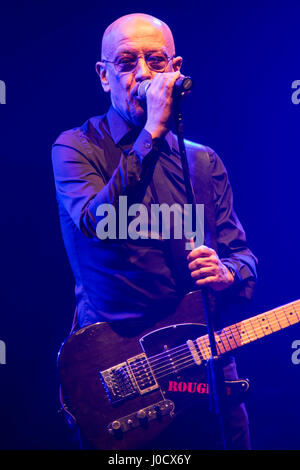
x=182, y=85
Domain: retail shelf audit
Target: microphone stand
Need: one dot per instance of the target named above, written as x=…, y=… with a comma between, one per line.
x=214, y=368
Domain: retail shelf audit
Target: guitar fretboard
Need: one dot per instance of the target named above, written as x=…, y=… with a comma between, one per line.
x=251, y=329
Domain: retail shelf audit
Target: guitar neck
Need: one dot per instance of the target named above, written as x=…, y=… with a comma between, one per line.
x=251, y=329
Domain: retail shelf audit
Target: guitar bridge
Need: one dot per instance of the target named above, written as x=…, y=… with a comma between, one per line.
x=118, y=383
x=128, y=379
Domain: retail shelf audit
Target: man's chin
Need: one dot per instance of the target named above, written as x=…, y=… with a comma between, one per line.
x=139, y=115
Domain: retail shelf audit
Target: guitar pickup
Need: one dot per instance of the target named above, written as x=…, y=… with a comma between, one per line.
x=142, y=373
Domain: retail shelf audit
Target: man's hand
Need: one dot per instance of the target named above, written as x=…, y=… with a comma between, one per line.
x=159, y=104
x=207, y=269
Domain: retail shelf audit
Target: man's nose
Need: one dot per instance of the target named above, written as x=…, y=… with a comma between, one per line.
x=142, y=71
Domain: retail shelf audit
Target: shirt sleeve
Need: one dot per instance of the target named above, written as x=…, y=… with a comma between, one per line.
x=233, y=248
x=80, y=182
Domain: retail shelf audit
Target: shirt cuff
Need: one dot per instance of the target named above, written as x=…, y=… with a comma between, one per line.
x=233, y=269
x=145, y=151
x=144, y=144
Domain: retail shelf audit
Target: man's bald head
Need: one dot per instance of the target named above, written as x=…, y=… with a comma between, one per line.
x=130, y=41
x=141, y=24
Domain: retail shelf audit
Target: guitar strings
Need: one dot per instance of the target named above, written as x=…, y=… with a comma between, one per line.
x=169, y=358
x=165, y=375
x=174, y=366
x=174, y=363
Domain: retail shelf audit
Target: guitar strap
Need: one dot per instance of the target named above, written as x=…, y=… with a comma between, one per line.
x=200, y=175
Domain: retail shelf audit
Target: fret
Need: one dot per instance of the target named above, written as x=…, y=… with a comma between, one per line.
x=229, y=337
x=295, y=310
x=282, y=319
x=207, y=346
x=235, y=339
x=225, y=340
x=274, y=321
x=205, y=352
x=264, y=324
x=251, y=329
x=285, y=316
x=290, y=314
x=257, y=328
x=241, y=328
x=219, y=344
x=252, y=333
x=236, y=334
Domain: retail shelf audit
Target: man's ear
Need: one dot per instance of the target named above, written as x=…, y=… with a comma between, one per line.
x=177, y=63
x=102, y=72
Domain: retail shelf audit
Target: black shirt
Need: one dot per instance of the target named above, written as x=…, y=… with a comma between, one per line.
x=97, y=163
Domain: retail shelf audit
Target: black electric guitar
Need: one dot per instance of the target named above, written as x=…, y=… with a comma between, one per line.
x=125, y=385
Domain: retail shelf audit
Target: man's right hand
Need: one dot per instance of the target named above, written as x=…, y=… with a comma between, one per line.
x=160, y=104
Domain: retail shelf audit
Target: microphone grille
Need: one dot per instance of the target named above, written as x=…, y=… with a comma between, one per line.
x=142, y=90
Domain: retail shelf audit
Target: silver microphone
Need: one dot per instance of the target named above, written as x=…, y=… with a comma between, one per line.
x=182, y=85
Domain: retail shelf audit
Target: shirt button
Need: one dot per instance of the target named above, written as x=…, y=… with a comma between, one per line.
x=147, y=145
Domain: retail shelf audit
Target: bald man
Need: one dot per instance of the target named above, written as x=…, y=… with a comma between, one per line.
x=130, y=152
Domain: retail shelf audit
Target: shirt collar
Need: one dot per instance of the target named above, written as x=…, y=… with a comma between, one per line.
x=119, y=128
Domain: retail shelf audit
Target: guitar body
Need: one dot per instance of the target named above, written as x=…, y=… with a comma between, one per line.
x=101, y=346
x=127, y=382
x=97, y=348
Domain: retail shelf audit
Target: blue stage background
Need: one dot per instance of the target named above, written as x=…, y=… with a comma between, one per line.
x=243, y=57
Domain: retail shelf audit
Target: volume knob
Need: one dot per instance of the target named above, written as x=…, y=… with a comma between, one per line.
x=142, y=416
x=116, y=425
x=115, y=429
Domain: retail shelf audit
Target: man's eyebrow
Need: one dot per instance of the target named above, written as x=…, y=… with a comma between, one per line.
x=134, y=51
